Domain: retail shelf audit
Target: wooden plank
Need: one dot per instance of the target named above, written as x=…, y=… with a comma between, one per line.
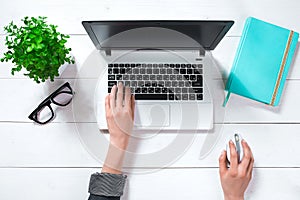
x=65, y=14
x=72, y=184
x=61, y=145
x=21, y=96
x=82, y=49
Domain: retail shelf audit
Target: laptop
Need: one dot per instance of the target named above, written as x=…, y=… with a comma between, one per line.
x=164, y=64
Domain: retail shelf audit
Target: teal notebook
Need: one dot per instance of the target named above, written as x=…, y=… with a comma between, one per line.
x=262, y=62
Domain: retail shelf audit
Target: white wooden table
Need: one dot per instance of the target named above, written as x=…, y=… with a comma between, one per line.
x=49, y=162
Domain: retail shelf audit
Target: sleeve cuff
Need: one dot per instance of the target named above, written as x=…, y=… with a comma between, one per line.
x=106, y=184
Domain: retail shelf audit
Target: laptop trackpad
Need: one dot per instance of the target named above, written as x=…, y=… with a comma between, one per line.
x=152, y=115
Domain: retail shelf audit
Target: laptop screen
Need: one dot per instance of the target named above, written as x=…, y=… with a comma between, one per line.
x=157, y=34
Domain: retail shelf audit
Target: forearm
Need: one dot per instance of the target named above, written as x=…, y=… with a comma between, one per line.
x=114, y=159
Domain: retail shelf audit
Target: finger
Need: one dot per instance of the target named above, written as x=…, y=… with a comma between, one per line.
x=132, y=105
x=233, y=156
x=247, y=155
x=107, y=104
x=127, y=97
x=250, y=168
x=120, y=94
x=223, y=163
x=112, y=97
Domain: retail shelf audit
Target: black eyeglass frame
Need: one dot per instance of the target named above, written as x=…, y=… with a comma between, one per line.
x=50, y=99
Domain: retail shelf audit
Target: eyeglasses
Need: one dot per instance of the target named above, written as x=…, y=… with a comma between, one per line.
x=44, y=112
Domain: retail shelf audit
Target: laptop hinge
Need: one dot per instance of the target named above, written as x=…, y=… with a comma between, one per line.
x=202, y=52
x=108, y=52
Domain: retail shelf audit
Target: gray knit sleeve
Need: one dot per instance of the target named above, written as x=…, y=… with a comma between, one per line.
x=106, y=184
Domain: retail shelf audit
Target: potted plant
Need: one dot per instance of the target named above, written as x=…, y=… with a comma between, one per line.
x=37, y=47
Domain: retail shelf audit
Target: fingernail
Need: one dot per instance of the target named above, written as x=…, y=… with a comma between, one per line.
x=231, y=142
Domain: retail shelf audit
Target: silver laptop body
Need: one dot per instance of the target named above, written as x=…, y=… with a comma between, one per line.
x=165, y=66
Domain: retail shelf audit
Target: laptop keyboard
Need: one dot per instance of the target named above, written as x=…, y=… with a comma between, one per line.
x=173, y=82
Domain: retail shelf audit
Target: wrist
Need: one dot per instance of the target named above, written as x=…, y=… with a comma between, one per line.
x=120, y=142
x=232, y=197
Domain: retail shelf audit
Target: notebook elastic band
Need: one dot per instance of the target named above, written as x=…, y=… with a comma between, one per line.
x=286, y=52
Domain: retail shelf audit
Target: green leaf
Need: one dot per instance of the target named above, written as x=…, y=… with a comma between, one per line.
x=29, y=49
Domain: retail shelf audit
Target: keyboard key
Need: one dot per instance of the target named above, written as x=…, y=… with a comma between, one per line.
x=111, y=77
x=198, y=90
x=109, y=90
x=172, y=77
x=132, y=90
x=184, y=90
x=152, y=77
x=178, y=96
x=112, y=83
x=110, y=71
x=151, y=90
x=155, y=71
x=126, y=77
x=174, y=84
x=147, y=84
x=127, y=65
x=116, y=65
x=179, y=77
x=115, y=70
x=133, y=84
x=128, y=71
x=140, y=83
x=157, y=90
x=186, y=77
x=160, y=84
x=162, y=71
x=177, y=66
x=181, y=84
x=144, y=90
x=197, y=84
x=183, y=65
x=191, y=96
x=177, y=90
x=122, y=70
x=182, y=71
x=192, y=77
x=154, y=83
x=136, y=71
x=199, y=96
x=127, y=83
x=139, y=77
x=166, y=77
x=169, y=71
x=119, y=77
x=187, y=84
x=149, y=71
x=142, y=71
x=171, y=96
x=132, y=65
x=159, y=77
x=189, y=71
x=164, y=90
x=122, y=65
x=132, y=77
x=145, y=77
x=185, y=97
x=168, y=83
x=110, y=65
x=137, y=90
x=151, y=96
x=188, y=66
